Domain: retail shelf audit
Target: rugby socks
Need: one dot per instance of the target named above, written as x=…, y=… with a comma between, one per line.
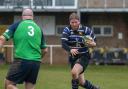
x=88, y=85
x=75, y=83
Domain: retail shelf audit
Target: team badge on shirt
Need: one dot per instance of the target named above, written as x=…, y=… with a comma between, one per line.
x=81, y=33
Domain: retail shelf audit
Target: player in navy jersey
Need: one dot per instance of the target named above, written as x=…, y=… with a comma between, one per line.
x=75, y=43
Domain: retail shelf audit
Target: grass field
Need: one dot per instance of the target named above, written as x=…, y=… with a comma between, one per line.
x=58, y=77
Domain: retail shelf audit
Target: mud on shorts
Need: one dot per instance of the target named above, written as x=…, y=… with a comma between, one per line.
x=23, y=71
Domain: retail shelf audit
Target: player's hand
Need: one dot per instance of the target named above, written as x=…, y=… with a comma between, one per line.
x=90, y=43
x=74, y=52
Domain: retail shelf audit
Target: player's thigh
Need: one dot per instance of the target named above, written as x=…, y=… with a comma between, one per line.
x=11, y=87
x=33, y=73
x=14, y=74
x=77, y=68
x=84, y=61
x=29, y=85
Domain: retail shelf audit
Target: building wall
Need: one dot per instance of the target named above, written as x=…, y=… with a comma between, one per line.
x=118, y=20
x=102, y=3
x=119, y=23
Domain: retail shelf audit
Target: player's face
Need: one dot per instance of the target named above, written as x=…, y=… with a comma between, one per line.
x=74, y=24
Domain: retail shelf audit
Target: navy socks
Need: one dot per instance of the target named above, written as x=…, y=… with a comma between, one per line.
x=88, y=85
x=75, y=83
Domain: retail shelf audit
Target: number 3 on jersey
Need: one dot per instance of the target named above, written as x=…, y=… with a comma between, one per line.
x=31, y=31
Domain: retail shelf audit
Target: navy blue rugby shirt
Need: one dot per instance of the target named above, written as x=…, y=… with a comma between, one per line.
x=74, y=39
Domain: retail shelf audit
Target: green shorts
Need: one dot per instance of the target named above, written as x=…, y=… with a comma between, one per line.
x=82, y=59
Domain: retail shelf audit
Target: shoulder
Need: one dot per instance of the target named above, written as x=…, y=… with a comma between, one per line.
x=14, y=26
x=66, y=29
x=87, y=29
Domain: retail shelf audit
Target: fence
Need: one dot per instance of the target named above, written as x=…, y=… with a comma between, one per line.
x=56, y=55
x=8, y=53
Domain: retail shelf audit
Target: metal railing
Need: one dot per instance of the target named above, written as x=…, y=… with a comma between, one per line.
x=38, y=4
x=98, y=55
x=50, y=47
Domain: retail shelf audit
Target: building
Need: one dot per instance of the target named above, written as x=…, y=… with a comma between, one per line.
x=108, y=18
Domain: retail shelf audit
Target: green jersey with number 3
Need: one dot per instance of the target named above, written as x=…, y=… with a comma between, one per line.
x=28, y=40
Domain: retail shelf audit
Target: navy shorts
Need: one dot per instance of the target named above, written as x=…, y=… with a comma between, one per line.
x=82, y=59
x=23, y=71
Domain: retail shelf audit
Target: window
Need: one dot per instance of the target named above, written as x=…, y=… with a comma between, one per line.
x=59, y=29
x=64, y=2
x=97, y=30
x=42, y=2
x=103, y=30
x=60, y=4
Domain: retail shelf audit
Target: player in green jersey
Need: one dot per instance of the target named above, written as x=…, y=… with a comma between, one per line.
x=29, y=46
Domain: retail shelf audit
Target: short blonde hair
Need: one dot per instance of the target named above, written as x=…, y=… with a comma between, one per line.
x=73, y=16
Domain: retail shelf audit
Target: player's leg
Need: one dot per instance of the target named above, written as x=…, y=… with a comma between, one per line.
x=10, y=85
x=29, y=85
x=84, y=61
x=14, y=75
x=32, y=75
x=81, y=79
x=76, y=70
x=86, y=83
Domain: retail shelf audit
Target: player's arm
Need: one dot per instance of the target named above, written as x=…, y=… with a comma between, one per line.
x=65, y=43
x=91, y=41
x=44, y=51
x=43, y=46
x=8, y=33
x=68, y=49
x=64, y=40
x=2, y=41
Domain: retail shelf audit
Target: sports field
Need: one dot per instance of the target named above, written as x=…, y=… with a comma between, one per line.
x=58, y=77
